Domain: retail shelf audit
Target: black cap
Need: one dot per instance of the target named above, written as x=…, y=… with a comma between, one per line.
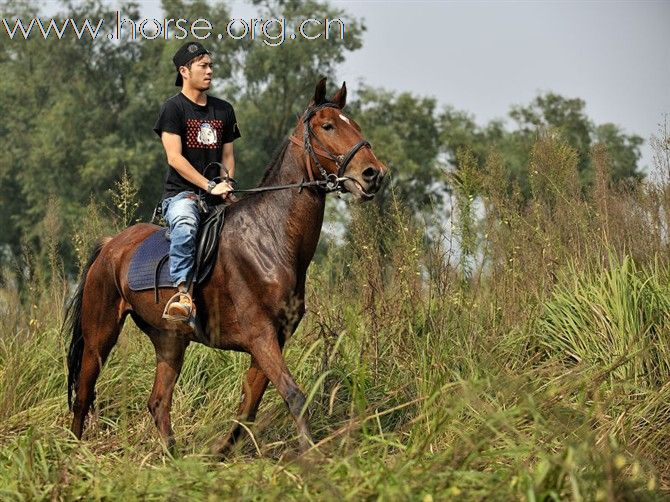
x=185, y=53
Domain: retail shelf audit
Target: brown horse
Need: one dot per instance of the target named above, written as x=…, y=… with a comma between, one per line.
x=253, y=299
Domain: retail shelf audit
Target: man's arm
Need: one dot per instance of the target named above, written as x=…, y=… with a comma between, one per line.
x=172, y=145
x=228, y=160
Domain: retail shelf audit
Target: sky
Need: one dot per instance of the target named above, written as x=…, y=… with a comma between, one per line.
x=485, y=56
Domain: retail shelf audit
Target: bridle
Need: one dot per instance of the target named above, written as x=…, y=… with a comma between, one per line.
x=341, y=161
x=329, y=182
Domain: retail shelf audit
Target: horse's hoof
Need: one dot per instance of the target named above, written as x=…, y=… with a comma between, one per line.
x=306, y=444
x=222, y=449
x=308, y=458
x=313, y=454
x=170, y=446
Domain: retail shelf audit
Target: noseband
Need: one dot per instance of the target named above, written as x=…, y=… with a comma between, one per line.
x=341, y=161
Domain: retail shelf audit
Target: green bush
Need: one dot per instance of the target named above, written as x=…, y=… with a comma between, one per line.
x=534, y=367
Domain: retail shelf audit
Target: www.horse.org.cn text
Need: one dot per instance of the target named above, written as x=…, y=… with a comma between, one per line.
x=272, y=32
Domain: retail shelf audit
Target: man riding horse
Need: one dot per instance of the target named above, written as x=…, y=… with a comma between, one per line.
x=197, y=131
x=253, y=300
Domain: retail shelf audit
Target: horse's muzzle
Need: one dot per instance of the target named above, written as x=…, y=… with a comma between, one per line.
x=373, y=177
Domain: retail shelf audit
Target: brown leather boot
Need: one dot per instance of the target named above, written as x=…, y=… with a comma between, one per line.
x=179, y=308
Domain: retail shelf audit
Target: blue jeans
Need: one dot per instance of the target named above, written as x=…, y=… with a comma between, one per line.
x=183, y=216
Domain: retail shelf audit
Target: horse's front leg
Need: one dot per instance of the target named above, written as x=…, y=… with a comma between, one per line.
x=170, y=349
x=265, y=349
x=253, y=388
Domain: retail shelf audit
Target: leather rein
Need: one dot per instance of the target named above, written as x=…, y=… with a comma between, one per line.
x=330, y=182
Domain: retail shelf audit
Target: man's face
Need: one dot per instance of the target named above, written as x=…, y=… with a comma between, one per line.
x=200, y=75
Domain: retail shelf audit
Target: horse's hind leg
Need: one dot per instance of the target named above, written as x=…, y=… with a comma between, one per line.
x=253, y=388
x=101, y=328
x=170, y=350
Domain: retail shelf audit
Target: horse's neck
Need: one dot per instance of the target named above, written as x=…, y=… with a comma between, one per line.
x=298, y=214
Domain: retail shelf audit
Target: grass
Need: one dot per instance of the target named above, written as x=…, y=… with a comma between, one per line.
x=535, y=368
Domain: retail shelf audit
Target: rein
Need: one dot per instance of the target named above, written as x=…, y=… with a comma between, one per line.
x=329, y=182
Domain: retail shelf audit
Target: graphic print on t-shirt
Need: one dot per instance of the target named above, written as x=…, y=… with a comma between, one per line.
x=203, y=133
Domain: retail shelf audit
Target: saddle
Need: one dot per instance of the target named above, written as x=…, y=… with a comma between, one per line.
x=150, y=264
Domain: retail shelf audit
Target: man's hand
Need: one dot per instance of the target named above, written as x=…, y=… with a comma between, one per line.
x=222, y=189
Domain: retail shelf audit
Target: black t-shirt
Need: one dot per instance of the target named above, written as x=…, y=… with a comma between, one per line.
x=203, y=130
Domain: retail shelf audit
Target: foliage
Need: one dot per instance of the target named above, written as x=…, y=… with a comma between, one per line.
x=616, y=316
x=548, y=113
x=75, y=129
x=87, y=109
x=275, y=83
x=404, y=133
x=540, y=373
x=79, y=115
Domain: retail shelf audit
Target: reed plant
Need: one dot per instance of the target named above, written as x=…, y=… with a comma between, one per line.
x=525, y=355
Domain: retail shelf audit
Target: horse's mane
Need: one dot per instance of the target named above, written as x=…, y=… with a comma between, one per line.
x=276, y=162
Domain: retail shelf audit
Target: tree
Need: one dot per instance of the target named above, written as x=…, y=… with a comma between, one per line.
x=63, y=127
x=623, y=151
x=566, y=115
x=547, y=113
x=404, y=131
x=78, y=113
x=274, y=83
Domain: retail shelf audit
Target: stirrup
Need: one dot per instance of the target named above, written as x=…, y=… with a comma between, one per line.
x=170, y=317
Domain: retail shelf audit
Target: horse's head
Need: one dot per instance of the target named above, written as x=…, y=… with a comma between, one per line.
x=335, y=146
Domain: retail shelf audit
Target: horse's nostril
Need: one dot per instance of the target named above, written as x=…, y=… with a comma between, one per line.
x=370, y=174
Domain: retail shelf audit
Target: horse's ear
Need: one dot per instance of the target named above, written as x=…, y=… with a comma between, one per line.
x=340, y=97
x=320, y=92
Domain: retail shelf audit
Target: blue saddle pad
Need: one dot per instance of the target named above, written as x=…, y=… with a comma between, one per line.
x=150, y=265
x=142, y=270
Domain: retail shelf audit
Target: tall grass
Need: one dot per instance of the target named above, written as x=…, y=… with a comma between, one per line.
x=533, y=367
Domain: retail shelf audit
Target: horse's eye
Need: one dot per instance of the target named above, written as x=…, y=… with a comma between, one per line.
x=328, y=126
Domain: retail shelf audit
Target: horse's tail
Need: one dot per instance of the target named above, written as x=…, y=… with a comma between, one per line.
x=73, y=323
